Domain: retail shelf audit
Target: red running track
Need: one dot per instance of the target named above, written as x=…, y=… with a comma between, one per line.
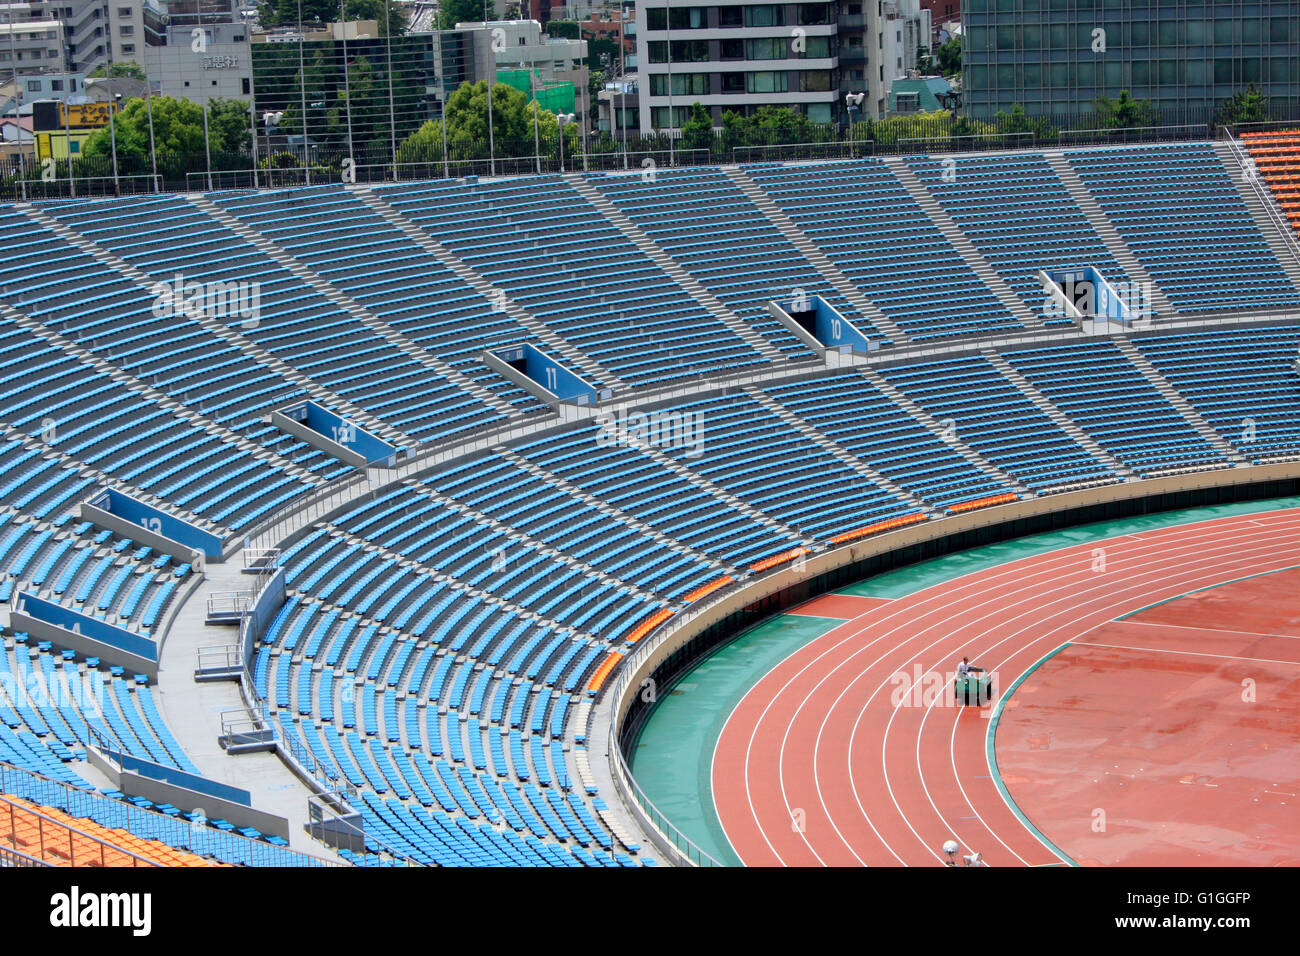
x=852, y=751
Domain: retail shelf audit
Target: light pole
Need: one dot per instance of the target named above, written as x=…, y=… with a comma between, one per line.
x=112, y=133
x=537, y=137
x=562, y=120
x=302, y=96
x=854, y=102
x=491, y=82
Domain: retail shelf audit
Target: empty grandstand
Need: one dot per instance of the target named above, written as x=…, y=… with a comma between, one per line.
x=417, y=484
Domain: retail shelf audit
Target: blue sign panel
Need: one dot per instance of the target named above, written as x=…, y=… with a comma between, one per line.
x=1093, y=296
x=86, y=626
x=340, y=430
x=824, y=322
x=179, y=778
x=548, y=373
x=159, y=522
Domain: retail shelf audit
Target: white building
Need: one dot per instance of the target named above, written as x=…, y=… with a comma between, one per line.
x=201, y=63
x=736, y=55
x=520, y=44
x=86, y=33
x=905, y=25
x=30, y=46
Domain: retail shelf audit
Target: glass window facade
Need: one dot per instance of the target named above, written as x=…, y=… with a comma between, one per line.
x=1054, y=57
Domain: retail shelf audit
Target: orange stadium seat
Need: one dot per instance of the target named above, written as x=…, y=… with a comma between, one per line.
x=54, y=837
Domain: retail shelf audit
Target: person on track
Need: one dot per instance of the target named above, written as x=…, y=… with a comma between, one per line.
x=966, y=667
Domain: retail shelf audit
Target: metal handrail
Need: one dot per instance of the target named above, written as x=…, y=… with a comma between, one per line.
x=60, y=827
x=684, y=845
x=335, y=494
x=1250, y=172
x=202, y=841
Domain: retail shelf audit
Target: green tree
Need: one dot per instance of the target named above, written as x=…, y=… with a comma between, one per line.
x=283, y=13
x=1245, y=106
x=127, y=69
x=422, y=146
x=1018, y=121
x=949, y=56
x=177, y=136
x=697, y=131
x=467, y=127
x=564, y=29
x=1124, y=112
x=462, y=11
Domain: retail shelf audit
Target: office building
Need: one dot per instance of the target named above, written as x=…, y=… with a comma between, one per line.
x=1185, y=58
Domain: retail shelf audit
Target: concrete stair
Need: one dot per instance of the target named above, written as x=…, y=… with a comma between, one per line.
x=353, y=308
x=224, y=330
x=969, y=254
x=707, y=486
x=1115, y=244
x=431, y=572
x=639, y=238
x=1193, y=417
x=508, y=533
x=1263, y=208
x=833, y=447
x=956, y=444
x=109, y=481
x=616, y=514
x=1055, y=414
x=162, y=399
x=552, y=342
x=827, y=269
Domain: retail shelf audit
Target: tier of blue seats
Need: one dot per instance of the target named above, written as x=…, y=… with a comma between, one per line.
x=854, y=412
x=869, y=225
x=386, y=590
x=94, y=572
x=164, y=236
x=38, y=484
x=91, y=418
x=706, y=223
x=366, y=256
x=646, y=491
x=523, y=502
x=1019, y=216
x=76, y=294
x=1103, y=392
x=768, y=464
x=413, y=726
x=59, y=700
x=1242, y=381
x=1177, y=208
x=976, y=405
x=557, y=256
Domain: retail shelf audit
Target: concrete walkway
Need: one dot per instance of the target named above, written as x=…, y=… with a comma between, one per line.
x=193, y=710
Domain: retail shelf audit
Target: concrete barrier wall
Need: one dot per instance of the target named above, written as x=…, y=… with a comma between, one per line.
x=214, y=808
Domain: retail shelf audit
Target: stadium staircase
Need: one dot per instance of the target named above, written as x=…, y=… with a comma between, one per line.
x=1175, y=399
x=223, y=330
x=836, y=449
x=976, y=460
x=1276, y=158
x=1054, y=413
x=652, y=249
x=597, y=375
x=1132, y=266
x=825, y=267
x=970, y=255
x=345, y=302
